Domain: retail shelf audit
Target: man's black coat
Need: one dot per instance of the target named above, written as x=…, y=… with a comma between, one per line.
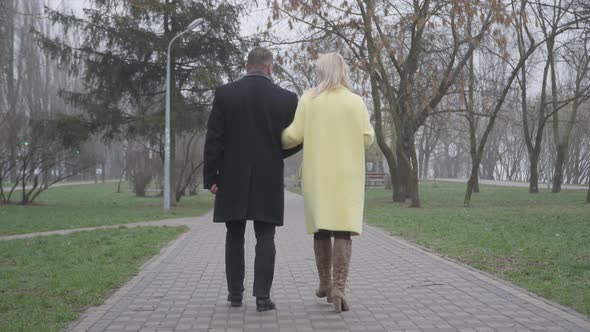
x=243, y=153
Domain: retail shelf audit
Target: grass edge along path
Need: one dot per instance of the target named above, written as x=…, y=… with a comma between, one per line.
x=48, y=282
x=91, y=205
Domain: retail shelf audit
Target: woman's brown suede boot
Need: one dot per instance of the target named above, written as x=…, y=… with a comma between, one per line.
x=341, y=261
x=323, y=260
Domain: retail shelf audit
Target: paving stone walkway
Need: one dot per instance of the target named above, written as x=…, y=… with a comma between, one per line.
x=394, y=286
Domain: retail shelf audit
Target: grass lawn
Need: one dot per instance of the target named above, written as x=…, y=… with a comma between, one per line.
x=539, y=242
x=92, y=205
x=48, y=281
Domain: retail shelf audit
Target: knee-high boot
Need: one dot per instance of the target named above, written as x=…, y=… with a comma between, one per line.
x=323, y=260
x=341, y=261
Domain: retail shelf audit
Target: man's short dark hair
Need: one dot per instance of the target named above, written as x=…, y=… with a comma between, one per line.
x=260, y=58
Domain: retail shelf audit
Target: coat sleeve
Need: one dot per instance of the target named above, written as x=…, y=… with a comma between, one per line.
x=293, y=135
x=213, y=145
x=368, y=131
x=290, y=116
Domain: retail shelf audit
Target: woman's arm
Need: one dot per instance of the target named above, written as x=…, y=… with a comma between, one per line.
x=368, y=132
x=290, y=117
x=293, y=135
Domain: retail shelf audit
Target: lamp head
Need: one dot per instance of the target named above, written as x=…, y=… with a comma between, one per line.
x=198, y=24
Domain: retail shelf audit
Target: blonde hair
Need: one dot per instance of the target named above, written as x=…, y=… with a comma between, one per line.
x=332, y=72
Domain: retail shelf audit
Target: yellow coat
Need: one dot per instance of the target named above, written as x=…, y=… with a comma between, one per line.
x=334, y=128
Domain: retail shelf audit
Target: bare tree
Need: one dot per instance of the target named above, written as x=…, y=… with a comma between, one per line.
x=400, y=49
x=512, y=148
x=38, y=140
x=39, y=159
x=532, y=45
x=577, y=58
x=429, y=136
x=191, y=163
x=472, y=120
x=578, y=165
x=12, y=81
x=555, y=19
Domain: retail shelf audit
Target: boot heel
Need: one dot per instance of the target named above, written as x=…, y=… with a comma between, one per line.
x=345, y=306
x=341, y=263
x=337, y=304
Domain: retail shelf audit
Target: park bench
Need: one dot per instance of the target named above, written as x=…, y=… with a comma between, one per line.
x=375, y=179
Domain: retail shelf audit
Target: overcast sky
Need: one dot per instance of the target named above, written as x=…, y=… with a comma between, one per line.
x=251, y=24
x=76, y=5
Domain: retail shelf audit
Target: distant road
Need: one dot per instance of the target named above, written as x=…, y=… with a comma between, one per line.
x=511, y=183
x=62, y=184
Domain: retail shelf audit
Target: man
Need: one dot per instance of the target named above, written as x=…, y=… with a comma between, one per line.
x=244, y=169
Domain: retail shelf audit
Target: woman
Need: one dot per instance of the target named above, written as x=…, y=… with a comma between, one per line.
x=333, y=123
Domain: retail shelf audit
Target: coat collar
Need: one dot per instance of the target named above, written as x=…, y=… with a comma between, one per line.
x=256, y=73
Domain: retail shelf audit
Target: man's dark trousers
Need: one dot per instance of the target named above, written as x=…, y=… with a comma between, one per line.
x=264, y=263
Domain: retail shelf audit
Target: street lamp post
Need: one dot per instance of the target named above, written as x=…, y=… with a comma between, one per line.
x=196, y=23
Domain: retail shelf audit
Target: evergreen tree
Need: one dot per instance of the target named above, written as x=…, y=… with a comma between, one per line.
x=122, y=59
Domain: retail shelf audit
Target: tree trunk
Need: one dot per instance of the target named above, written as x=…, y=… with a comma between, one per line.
x=407, y=174
x=389, y=151
x=120, y=181
x=558, y=172
x=400, y=180
x=24, y=187
x=471, y=183
x=474, y=179
x=414, y=192
x=399, y=185
x=422, y=151
x=426, y=166
x=534, y=150
x=534, y=170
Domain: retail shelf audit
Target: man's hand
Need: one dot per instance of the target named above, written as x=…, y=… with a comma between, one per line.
x=214, y=189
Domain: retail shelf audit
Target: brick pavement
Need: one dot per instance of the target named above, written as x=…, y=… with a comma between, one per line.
x=394, y=286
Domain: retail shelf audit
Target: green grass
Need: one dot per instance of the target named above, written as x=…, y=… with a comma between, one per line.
x=539, y=242
x=48, y=281
x=92, y=205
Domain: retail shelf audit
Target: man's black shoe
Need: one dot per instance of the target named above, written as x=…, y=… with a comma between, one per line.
x=236, y=301
x=264, y=305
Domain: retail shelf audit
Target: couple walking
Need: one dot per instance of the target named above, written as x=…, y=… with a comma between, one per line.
x=253, y=126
